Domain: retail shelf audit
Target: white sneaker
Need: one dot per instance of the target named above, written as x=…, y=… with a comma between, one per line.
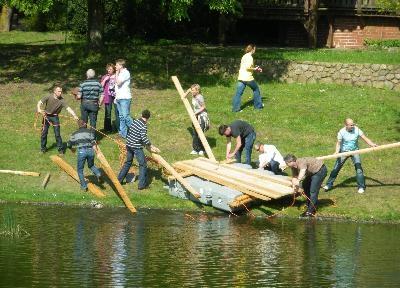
x=326, y=188
x=201, y=153
x=193, y=152
x=361, y=190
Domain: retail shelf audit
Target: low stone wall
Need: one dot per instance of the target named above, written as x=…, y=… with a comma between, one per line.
x=370, y=75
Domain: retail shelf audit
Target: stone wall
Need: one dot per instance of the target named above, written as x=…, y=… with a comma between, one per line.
x=370, y=75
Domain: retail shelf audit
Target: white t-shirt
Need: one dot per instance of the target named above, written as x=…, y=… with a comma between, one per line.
x=245, y=64
x=123, y=91
x=270, y=153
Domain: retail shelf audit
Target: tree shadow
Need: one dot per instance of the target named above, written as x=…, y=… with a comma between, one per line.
x=352, y=181
x=249, y=103
x=211, y=140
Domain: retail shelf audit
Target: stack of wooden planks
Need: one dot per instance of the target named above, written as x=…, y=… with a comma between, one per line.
x=251, y=182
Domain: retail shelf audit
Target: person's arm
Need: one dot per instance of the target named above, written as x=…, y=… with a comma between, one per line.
x=300, y=177
x=187, y=92
x=368, y=141
x=122, y=77
x=263, y=163
x=70, y=111
x=101, y=99
x=337, y=148
x=39, y=107
x=152, y=148
x=237, y=147
x=104, y=79
x=228, y=146
x=202, y=108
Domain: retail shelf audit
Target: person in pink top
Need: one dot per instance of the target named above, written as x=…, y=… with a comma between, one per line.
x=108, y=83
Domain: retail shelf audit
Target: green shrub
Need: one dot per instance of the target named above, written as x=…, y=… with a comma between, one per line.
x=382, y=43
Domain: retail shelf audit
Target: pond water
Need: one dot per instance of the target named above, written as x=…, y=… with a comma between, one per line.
x=83, y=247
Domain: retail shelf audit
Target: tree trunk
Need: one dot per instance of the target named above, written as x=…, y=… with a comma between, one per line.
x=95, y=24
x=5, y=19
x=312, y=22
x=222, y=26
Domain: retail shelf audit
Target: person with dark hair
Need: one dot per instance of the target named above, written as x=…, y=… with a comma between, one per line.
x=84, y=140
x=91, y=96
x=135, y=140
x=108, y=83
x=54, y=104
x=270, y=158
x=245, y=137
x=311, y=172
x=246, y=78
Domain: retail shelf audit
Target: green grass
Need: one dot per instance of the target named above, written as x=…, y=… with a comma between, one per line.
x=300, y=119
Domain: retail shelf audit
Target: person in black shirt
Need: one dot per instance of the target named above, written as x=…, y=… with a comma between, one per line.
x=245, y=137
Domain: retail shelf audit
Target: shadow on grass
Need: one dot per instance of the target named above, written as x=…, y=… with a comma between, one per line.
x=352, y=181
x=251, y=103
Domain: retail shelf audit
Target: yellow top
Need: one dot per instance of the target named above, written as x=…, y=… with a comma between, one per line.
x=245, y=64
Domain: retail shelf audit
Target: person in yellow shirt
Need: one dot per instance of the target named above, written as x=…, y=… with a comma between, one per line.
x=246, y=78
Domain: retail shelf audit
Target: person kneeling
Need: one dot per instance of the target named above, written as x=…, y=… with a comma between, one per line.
x=270, y=158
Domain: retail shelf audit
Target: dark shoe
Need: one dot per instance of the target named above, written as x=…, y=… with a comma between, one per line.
x=307, y=214
x=61, y=154
x=100, y=179
x=143, y=188
x=84, y=189
x=42, y=151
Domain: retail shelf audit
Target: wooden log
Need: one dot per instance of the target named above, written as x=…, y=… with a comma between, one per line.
x=178, y=177
x=71, y=172
x=240, y=201
x=110, y=173
x=23, y=173
x=361, y=151
x=192, y=116
x=226, y=181
x=45, y=180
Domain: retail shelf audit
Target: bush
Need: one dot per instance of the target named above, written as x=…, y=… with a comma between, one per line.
x=382, y=43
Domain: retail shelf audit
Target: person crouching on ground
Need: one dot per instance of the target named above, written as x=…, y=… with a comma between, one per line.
x=199, y=108
x=54, y=104
x=135, y=140
x=84, y=140
x=270, y=158
x=311, y=172
x=245, y=137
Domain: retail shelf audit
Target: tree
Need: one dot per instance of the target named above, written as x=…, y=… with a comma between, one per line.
x=5, y=18
x=389, y=5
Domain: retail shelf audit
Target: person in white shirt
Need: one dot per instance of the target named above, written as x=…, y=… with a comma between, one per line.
x=123, y=96
x=270, y=158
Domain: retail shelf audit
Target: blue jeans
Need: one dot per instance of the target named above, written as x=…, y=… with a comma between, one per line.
x=311, y=185
x=339, y=164
x=55, y=122
x=247, y=145
x=89, y=110
x=140, y=157
x=86, y=154
x=125, y=120
x=239, y=92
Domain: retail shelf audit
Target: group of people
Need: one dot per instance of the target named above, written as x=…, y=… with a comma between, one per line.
x=113, y=90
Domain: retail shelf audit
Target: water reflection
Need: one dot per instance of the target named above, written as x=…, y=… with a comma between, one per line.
x=112, y=248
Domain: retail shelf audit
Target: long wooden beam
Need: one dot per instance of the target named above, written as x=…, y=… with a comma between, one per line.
x=23, y=173
x=178, y=177
x=71, y=172
x=361, y=151
x=192, y=116
x=110, y=173
x=241, y=201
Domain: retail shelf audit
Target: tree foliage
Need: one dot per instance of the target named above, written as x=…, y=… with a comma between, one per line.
x=30, y=7
x=389, y=5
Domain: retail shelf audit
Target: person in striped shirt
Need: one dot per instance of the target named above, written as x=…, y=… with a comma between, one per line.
x=136, y=139
x=91, y=96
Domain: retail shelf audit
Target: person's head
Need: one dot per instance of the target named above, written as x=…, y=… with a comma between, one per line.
x=81, y=123
x=195, y=89
x=224, y=130
x=259, y=147
x=57, y=90
x=290, y=160
x=250, y=48
x=119, y=64
x=90, y=74
x=146, y=114
x=349, y=124
x=110, y=68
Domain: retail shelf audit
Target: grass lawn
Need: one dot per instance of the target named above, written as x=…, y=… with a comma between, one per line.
x=300, y=119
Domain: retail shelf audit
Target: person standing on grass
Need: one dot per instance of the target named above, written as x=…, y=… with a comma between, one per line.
x=199, y=108
x=347, y=140
x=246, y=78
x=123, y=96
x=108, y=83
x=54, y=104
x=270, y=158
x=311, y=172
x=91, y=96
x=245, y=137
x=84, y=140
x=135, y=140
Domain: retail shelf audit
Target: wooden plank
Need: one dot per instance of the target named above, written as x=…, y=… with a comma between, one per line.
x=361, y=151
x=240, y=201
x=182, y=174
x=192, y=116
x=270, y=189
x=45, y=180
x=178, y=177
x=226, y=181
x=255, y=173
x=71, y=172
x=22, y=173
x=110, y=173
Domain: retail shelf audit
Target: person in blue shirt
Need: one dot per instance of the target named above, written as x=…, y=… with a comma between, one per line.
x=347, y=140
